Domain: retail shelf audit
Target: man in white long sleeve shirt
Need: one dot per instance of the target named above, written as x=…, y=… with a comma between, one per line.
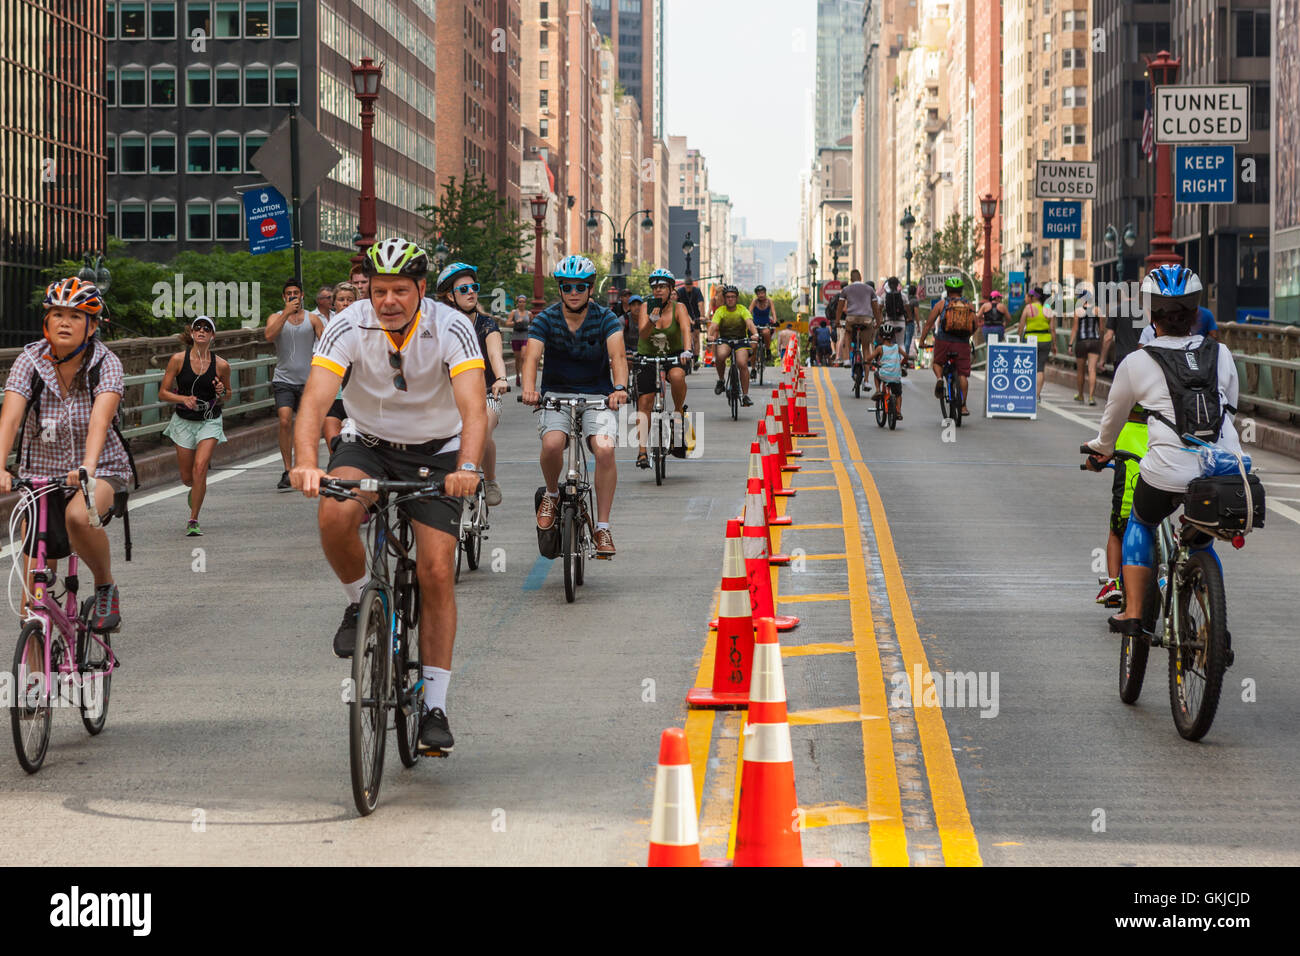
x=1169, y=464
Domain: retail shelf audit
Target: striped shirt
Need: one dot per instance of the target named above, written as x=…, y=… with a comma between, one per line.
x=55, y=440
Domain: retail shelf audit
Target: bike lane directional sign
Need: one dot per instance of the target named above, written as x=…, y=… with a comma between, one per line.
x=1011, y=384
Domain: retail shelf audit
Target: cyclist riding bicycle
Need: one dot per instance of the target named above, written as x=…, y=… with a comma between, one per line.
x=953, y=321
x=889, y=359
x=663, y=330
x=732, y=321
x=582, y=343
x=77, y=385
x=862, y=311
x=761, y=310
x=1151, y=377
x=416, y=399
x=458, y=287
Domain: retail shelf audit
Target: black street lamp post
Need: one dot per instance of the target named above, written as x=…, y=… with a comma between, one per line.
x=812, y=283
x=907, y=222
x=92, y=270
x=1027, y=254
x=835, y=245
x=620, y=244
x=688, y=246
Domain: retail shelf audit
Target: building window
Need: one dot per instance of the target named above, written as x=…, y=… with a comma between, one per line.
x=162, y=220
x=227, y=25
x=198, y=221
x=286, y=85
x=133, y=86
x=1260, y=117
x=198, y=153
x=133, y=222
x=110, y=25
x=257, y=19
x=544, y=43
x=1047, y=78
x=544, y=128
x=228, y=153
x=1047, y=42
x=257, y=86
x=162, y=153
x=110, y=150
x=1256, y=192
x=228, y=217
x=198, y=86
x=1072, y=59
x=286, y=18
x=110, y=86
x=252, y=143
x=111, y=229
x=1253, y=33
x=132, y=21
x=1074, y=96
x=543, y=98
x=544, y=69
x=162, y=86
x=1152, y=37
x=546, y=10
x=162, y=20
x=1073, y=20
x=227, y=86
x=198, y=16
x=1252, y=255
x=1046, y=257
x=1072, y=135
x=131, y=147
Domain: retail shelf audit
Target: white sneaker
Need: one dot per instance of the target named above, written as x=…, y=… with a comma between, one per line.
x=491, y=493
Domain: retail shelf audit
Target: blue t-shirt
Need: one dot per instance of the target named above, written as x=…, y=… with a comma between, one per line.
x=576, y=362
x=822, y=336
x=1205, y=323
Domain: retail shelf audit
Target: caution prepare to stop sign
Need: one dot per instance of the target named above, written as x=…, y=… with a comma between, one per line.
x=266, y=212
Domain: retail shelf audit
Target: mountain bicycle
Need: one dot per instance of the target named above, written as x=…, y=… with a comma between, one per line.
x=660, y=439
x=474, y=518
x=886, y=404
x=950, y=399
x=1184, y=610
x=55, y=645
x=858, y=365
x=577, y=495
x=386, y=662
x=732, y=380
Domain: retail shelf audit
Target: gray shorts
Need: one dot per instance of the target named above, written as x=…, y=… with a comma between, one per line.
x=595, y=421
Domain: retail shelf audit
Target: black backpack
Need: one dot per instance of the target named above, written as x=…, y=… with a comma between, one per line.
x=1192, y=375
x=895, y=304
x=92, y=382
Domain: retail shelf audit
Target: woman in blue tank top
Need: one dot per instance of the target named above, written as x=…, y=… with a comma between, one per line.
x=761, y=311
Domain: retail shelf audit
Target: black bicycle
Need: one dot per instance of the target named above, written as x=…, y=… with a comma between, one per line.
x=577, y=495
x=950, y=397
x=660, y=440
x=386, y=661
x=732, y=390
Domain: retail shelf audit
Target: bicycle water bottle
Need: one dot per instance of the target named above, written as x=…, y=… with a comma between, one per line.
x=1217, y=461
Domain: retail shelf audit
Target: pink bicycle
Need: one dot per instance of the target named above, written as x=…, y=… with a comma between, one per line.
x=59, y=661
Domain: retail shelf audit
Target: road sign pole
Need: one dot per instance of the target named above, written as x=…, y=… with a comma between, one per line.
x=295, y=201
x=1060, y=273
x=1205, y=250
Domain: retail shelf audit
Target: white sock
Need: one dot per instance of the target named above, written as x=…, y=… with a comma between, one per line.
x=353, y=590
x=436, y=680
x=554, y=494
x=602, y=525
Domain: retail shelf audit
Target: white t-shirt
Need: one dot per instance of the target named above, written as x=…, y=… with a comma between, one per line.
x=439, y=345
x=1169, y=464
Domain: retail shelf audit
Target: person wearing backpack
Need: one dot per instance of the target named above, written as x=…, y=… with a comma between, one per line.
x=73, y=384
x=1188, y=385
x=953, y=320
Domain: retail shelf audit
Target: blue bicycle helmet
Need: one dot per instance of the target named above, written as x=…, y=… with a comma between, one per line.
x=662, y=275
x=579, y=268
x=448, y=275
x=1171, y=288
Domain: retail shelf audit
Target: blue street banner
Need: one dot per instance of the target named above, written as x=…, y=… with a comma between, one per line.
x=1062, y=220
x=1015, y=293
x=1012, y=380
x=266, y=213
x=1205, y=174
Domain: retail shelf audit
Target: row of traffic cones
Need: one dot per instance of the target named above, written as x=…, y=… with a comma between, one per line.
x=747, y=669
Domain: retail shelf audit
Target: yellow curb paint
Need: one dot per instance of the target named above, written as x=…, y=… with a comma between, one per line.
x=804, y=650
x=699, y=723
x=803, y=598
x=822, y=557
x=735, y=799
x=887, y=834
x=817, y=471
x=818, y=488
x=1008, y=843
x=808, y=527
x=833, y=815
x=951, y=816
x=829, y=715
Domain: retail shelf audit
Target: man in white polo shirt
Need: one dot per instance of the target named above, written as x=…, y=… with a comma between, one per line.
x=416, y=395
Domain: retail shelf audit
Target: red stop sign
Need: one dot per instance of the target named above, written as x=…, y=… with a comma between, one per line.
x=268, y=228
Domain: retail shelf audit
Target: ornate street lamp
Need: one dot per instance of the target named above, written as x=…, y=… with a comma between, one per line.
x=365, y=84
x=988, y=209
x=538, y=206
x=92, y=270
x=907, y=222
x=688, y=246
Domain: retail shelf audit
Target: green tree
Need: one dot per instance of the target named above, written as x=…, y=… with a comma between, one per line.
x=957, y=245
x=479, y=227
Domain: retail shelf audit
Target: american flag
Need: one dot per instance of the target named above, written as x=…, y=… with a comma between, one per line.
x=1148, y=130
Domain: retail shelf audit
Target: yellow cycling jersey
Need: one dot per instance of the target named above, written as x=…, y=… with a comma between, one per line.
x=731, y=322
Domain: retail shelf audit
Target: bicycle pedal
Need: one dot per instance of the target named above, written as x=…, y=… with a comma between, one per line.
x=431, y=753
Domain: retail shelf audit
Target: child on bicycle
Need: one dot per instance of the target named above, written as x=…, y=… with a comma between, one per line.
x=887, y=358
x=1132, y=439
x=78, y=385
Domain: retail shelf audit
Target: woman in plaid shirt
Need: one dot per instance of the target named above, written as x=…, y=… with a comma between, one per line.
x=70, y=427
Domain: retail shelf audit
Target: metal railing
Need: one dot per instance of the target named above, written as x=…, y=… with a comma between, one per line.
x=249, y=380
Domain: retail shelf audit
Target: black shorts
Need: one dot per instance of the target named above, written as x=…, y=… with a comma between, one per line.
x=1044, y=353
x=895, y=387
x=286, y=395
x=57, y=543
x=646, y=377
x=442, y=514
x=1085, y=347
x=337, y=410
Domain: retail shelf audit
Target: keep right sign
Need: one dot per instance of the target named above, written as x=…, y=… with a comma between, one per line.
x=1202, y=114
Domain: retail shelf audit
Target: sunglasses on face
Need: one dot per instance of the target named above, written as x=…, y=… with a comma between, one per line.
x=467, y=288
x=395, y=363
x=568, y=288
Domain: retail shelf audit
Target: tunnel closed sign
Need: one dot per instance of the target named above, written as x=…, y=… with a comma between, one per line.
x=1202, y=114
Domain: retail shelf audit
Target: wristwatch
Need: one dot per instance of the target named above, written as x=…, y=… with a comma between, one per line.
x=469, y=466
x=620, y=388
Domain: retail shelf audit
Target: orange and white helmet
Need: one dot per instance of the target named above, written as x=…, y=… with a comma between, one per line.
x=74, y=293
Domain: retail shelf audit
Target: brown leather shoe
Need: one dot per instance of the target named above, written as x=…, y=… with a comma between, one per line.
x=547, y=512
x=604, y=543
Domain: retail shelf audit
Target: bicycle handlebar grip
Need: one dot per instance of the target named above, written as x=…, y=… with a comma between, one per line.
x=87, y=482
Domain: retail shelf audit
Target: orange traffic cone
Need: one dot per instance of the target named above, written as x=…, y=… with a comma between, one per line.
x=767, y=826
x=674, y=831
x=771, y=464
x=782, y=433
x=756, y=471
x=757, y=547
x=733, y=655
x=754, y=499
x=801, y=428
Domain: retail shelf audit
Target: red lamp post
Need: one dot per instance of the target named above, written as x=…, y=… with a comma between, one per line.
x=365, y=84
x=988, y=209
x=1163, y=71
x=538, y=204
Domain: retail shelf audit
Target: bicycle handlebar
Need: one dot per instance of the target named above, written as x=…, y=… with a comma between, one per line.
x=339, y=488
x=1094, y=455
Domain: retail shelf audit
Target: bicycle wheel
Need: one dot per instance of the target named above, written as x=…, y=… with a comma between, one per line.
x=474, y=537
x=409, y=693
x=569, y=550
x=93, y=659
x=880, y=411
x=32, y=712
x=761, y=361
x=733, y=391
x=954, y=404
x=1197, y=663
x=891, y=412
x=1133, y=651
x=857, y=380
x=367, y=710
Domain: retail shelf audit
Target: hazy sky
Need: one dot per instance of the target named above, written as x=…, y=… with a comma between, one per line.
x=739, y=77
